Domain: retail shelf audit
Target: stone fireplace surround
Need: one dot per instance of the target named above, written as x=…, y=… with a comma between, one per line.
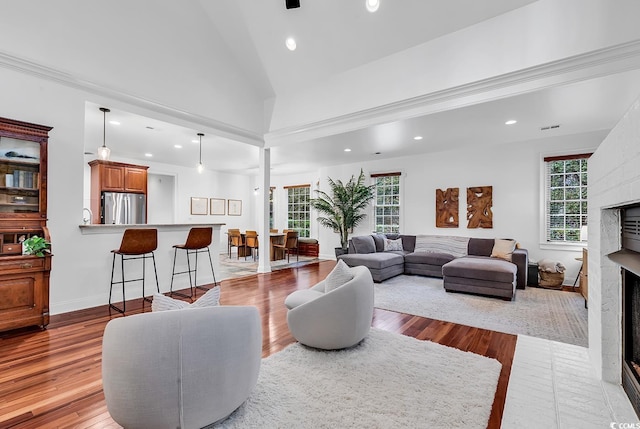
x=614, y=182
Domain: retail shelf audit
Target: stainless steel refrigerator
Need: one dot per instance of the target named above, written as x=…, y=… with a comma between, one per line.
x=120, y=208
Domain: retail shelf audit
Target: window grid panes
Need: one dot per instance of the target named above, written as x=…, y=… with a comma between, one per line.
x=387, y=204
x=298, y=214
x=566, y=199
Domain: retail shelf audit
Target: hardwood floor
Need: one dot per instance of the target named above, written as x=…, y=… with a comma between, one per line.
x=52, y=378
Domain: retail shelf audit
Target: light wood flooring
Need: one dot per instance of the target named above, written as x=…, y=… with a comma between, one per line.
x=51, y=378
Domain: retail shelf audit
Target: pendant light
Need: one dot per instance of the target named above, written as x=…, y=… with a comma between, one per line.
x=104, y=151
x=200, y=166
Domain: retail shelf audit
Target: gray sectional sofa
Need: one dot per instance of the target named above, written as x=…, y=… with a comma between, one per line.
x=464, y=263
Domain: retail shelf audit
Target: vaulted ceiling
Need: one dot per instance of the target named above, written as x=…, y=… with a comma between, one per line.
x=221, y=67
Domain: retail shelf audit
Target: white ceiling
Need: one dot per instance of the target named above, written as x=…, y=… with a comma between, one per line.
x=334, y=36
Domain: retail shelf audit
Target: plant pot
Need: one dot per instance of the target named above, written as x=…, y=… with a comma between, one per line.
x=341, y=251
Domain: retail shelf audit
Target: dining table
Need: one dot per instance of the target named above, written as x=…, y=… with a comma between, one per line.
x=274, y=252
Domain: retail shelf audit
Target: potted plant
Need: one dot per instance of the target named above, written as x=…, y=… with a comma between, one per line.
x=35, y=245
x=342, y=207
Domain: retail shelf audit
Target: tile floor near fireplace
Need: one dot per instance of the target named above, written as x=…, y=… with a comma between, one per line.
x=554, y=386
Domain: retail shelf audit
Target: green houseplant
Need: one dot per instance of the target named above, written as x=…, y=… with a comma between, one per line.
x=35, y=245
x=342, y=207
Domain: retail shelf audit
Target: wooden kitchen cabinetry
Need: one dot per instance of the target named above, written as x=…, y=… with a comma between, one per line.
x=109, y=176
x=24, y=279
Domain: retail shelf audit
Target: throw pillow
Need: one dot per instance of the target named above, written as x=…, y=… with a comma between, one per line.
x=162, y=302
x=364, y=244
x=503, y=249
x=391, y=245
x=340, y=274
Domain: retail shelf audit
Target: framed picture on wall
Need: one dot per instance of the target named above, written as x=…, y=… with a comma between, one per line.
x=216, y=206
x=234, y=207
x=199, y=206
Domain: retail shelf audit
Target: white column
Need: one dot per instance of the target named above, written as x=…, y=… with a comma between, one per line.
x=264, y=263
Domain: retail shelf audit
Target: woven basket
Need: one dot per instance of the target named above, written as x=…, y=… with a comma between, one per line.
x=551, y=279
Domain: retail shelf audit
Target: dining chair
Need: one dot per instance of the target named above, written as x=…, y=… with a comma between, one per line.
x=290, y=244
x=235, y=240
x=251, y=242
x=273, y=230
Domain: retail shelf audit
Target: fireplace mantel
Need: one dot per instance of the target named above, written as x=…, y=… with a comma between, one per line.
x=627, y=259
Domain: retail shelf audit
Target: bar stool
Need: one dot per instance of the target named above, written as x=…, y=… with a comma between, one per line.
x=198, y=241
x=136, y=244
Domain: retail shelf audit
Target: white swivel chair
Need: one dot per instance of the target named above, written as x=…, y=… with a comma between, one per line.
x=336, y=319
x=180, y=368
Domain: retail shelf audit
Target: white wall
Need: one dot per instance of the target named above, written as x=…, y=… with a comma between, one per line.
x=513, y=170
x=614, y=181
x=161, y=196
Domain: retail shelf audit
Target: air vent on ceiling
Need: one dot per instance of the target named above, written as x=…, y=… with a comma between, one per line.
x=549, y=127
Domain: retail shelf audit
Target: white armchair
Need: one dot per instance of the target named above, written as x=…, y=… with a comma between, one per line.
x=180, y=368
x=336, y=319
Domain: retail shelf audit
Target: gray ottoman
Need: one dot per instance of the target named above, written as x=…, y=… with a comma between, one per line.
x=481, y=275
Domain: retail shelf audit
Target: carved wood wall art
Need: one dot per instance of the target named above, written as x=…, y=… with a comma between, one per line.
x=447, y=208
x=479, y=202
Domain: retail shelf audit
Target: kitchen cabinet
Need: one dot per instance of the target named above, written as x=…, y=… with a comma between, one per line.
x=110, y=176
x=24, y=279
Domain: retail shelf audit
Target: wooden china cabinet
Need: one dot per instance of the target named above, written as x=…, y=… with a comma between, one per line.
x=24, y=279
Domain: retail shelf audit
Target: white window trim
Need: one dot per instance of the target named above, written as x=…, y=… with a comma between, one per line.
x=542, y=217
x=372, y=181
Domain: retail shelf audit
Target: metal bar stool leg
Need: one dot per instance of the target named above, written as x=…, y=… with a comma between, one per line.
x=173, y=273
x=124, y=301
x=215, y=282
x=113, y=266
x=153, y=258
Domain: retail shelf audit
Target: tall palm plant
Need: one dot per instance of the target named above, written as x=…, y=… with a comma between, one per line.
x=342, y=208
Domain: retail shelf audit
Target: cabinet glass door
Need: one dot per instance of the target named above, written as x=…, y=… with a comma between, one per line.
x=19, y=176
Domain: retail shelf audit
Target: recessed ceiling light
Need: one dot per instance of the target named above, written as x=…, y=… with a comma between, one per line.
x=114, y=122
x=417, y=138
x=177, y=146
x=510, y=122
x=148, y=155
x=291, y=43
x=347, y=150
x=372, y=5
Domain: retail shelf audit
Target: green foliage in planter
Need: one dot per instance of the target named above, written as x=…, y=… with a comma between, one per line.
x=35, y=245
x=343, y=206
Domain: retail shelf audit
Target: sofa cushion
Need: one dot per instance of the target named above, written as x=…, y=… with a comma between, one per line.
x=430, y=258
x=503, y=249
x=391, y=245
x=376, y=261
x=480, y=246
x=364, y=244
x=340, y=274
x=481, y=268
x=408, y=242
x=379, y=241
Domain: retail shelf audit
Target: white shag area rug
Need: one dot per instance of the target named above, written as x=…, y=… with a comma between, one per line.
x=543, y=313
x=386, y=381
